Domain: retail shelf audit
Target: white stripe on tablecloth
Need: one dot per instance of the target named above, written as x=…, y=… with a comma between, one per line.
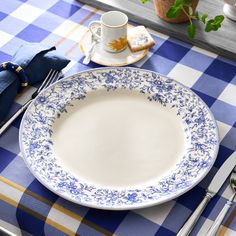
x=63, y=219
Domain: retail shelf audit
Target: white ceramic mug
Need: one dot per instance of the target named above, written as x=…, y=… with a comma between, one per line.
x=113, y=26
x=230, y=9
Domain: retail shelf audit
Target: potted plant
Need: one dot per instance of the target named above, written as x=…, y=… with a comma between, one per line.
x=179, y=11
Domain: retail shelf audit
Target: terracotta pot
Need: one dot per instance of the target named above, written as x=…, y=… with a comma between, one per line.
x=162, y=6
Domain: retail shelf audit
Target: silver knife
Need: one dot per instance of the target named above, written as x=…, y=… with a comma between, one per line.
x=5, y=232
x=212, y=189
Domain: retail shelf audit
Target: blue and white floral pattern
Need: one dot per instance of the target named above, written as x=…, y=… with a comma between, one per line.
x=37, y=146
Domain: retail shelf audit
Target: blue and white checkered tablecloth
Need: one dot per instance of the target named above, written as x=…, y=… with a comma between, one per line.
x=28, y=208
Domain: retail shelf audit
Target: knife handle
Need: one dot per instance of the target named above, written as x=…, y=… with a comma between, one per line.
x=217, y=223
x=5, y=232
x=13, y=117
x=192, y=220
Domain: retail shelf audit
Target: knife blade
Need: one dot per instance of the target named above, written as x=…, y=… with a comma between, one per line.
x=222, y=175
x=216, y=183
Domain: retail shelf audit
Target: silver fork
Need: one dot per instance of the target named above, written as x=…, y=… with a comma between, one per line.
x=50, y=78
x=217, y=223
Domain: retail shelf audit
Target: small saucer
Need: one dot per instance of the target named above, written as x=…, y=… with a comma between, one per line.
x=102, y=57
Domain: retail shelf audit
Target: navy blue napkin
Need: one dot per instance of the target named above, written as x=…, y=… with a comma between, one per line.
x=36, y=60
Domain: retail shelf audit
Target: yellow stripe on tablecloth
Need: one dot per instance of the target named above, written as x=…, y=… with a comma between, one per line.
x=222, y=231
x=228, y=221
x=82, y=22
x=79, y=218
x=55, y=205
x=58, y=226
x=36, y=215
x=76, y=27
x=26, y=191
x=70, y=50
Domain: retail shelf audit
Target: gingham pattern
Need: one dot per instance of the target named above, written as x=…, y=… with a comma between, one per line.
x=28, y=208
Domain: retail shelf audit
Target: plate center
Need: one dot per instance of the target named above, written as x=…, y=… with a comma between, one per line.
x=119, y=139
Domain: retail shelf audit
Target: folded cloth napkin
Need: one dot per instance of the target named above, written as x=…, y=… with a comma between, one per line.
x=36, y=60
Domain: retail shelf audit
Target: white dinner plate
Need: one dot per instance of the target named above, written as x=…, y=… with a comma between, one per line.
x=118, y=138
x=102, y=57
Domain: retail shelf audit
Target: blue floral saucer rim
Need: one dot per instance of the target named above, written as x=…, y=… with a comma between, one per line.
x=36, y=143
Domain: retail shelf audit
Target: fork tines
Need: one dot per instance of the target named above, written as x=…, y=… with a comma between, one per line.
x=51, y=78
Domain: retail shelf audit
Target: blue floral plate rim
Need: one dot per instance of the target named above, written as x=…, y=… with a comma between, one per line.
x=111, y=199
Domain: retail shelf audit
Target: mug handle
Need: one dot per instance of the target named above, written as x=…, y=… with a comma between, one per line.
x=95, y=31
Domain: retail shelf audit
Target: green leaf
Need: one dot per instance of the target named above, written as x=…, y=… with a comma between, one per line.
x=173, y=12
x=203, y=18
x=219, y=19
x=190, y=10
x=214, y=24
x=178, y=3
x=191, y=30
x=144, y=1
x=188, y=2
x=209, y=25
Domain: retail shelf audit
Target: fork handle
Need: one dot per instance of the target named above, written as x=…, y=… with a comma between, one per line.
x=192, y=220
x=217, y=223
x=13, y=117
